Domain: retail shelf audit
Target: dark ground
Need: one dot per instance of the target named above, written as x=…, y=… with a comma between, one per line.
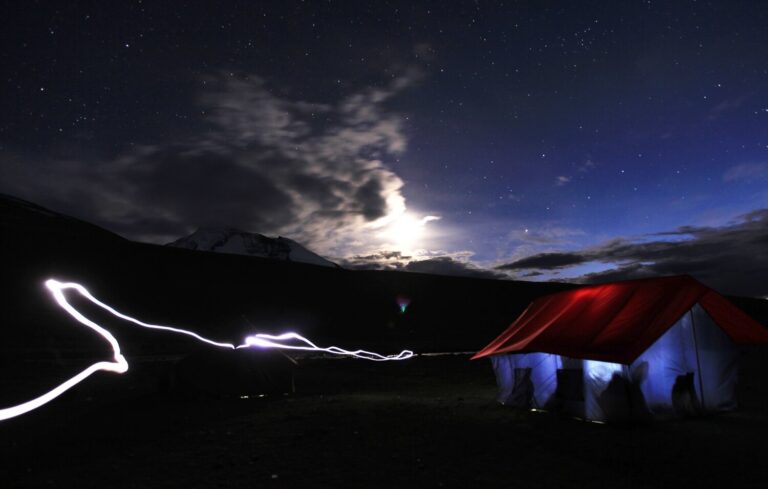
x=428, y=422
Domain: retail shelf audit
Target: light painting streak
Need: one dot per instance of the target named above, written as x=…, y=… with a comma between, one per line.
x=285, y=341
x=273, y=341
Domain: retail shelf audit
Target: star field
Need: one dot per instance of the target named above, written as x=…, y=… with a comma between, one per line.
x=527, y=128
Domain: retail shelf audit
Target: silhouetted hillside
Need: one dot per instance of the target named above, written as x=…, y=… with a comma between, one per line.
x=228, y=296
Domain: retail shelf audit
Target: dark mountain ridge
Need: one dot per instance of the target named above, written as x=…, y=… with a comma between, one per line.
x=227, y=296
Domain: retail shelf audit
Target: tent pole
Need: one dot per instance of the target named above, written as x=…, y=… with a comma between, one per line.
x=698, y=362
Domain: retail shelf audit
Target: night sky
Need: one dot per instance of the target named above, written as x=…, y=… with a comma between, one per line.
x=537, y=140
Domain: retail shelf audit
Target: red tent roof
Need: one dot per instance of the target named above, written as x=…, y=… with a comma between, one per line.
x=616, y=322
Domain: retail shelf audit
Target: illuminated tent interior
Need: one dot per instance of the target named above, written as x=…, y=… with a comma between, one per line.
x=661, y=347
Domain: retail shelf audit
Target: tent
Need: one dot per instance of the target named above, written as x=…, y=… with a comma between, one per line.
x=625, y=350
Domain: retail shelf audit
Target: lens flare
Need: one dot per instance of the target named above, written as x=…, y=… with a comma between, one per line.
x=403, y=303
x=285, y=341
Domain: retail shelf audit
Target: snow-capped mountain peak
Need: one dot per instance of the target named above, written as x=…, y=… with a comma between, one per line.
x=235, y=241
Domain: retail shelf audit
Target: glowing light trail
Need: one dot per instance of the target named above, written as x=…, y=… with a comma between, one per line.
x=273, y=341
x=286, y=341
x=120, y=364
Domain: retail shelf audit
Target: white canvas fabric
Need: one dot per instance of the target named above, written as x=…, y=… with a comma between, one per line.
x=690, y=370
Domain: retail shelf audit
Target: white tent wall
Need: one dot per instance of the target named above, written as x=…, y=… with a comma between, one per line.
x=690, y=369
x=719, y=364
x=526, y=380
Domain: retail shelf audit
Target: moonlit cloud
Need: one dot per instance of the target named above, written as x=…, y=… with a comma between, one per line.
x=266, y=163
x=562, y=180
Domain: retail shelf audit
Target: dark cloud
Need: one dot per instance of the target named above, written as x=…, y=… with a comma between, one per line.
x=626, y=272
x=370, y=199
x=264, y=164
x=446, y=265
x=439, y=265
x=546, y=261
x=732, y=258
x=377, y=260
